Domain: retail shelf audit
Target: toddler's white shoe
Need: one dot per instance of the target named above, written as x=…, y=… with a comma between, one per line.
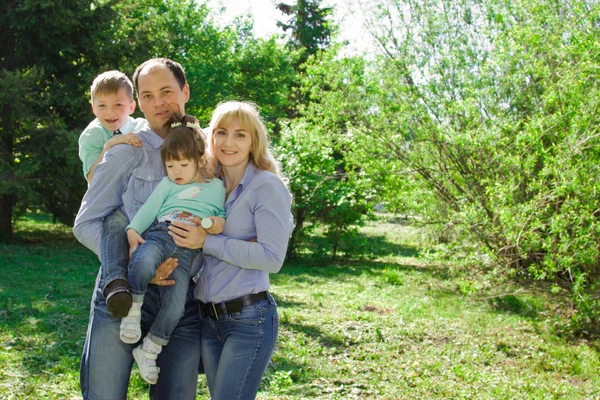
x=131, y=331
x=145, y=356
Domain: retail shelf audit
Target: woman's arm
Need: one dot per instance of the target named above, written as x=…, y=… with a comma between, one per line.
x=274, y=225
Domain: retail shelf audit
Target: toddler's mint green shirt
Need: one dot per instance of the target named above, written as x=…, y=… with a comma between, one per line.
x=169, y=200
x=94, y=137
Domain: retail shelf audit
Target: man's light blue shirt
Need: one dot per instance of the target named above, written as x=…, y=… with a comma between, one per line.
x=259, y=207
x=124, y=179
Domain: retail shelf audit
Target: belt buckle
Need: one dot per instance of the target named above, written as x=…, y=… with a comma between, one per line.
x=214, y=310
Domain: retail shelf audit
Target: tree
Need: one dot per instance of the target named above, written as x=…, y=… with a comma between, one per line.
x=493, y=105
x=43, y=43
x=310, y=26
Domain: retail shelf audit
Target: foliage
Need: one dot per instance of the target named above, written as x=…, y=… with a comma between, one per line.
x=310, y=26
x=326, y=186
x=494, y=107
x=53, y=50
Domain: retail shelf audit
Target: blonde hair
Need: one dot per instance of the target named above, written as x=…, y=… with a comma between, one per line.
x=110, y=82
x=185, y=140
x=248, y=116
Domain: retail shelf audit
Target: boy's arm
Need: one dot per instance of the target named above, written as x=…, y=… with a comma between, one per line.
x=128, y=138
x=90, y=144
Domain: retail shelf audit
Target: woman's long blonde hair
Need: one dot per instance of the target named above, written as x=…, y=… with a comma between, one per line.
x=248, y=116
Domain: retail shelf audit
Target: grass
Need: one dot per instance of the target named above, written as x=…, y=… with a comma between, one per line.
x=383, y=324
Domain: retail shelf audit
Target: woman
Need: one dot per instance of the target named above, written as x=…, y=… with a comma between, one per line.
x=239, y=322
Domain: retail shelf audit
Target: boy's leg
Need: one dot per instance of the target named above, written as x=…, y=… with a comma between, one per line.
x=114, y=254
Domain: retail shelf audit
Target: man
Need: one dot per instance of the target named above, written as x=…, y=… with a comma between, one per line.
x=123, y=181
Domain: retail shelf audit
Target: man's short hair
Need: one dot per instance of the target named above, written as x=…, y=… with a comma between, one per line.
x=110, y=82
x=173, y=66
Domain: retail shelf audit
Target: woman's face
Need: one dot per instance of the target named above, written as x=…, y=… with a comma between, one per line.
x=232, y=145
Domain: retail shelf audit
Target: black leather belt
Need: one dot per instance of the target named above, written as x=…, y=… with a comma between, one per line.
x=215, y=310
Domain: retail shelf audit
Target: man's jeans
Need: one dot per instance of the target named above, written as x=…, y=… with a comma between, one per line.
x=144, y=261
x=106, y=361
x=114, y=248
x=236, y=350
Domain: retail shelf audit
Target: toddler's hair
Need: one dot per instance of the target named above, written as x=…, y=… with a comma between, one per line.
x=185, y=140
x=110, y=82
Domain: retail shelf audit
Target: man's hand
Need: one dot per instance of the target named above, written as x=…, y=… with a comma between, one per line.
x=134, y=240
x=126, y=138
x=164, y=271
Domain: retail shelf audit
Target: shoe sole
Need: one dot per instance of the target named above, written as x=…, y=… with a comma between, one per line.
x=119, y=304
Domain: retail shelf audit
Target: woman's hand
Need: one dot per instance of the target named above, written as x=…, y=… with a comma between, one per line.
x=163, y=271
x=188, y=236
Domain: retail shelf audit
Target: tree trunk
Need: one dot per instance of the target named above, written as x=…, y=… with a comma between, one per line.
x=7, y=62
x=6, y=228
x=299, y=223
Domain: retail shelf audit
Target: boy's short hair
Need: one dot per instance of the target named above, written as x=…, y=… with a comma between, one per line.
x=110, y=82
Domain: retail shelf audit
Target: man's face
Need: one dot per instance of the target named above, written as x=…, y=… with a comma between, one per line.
x=113, y=109
x=159, y=94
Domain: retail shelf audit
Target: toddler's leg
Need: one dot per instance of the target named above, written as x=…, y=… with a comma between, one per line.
x=172, y=299
x=114, y=254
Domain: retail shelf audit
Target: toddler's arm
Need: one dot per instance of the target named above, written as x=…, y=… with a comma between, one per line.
x=128, y=138
x=134, y=239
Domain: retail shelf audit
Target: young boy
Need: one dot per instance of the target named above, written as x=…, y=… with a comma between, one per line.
x=112, y=103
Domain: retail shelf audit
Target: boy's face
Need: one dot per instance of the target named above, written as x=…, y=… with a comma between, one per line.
x=159, y=95
x=113, y=109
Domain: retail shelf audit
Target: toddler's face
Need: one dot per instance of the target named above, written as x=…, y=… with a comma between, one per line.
x=182, y=172
x=113, y=109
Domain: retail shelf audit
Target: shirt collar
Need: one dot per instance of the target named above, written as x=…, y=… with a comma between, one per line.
x=126, y=127
x=250, y=170
x=151, y=137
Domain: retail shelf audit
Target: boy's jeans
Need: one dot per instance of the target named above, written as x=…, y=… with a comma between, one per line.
x=144, y=261
x=114, y=248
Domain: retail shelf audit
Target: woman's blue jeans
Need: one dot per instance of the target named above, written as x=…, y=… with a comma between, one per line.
x=237, y=348
x=144, y=261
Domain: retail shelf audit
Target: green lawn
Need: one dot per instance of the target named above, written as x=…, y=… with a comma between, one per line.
x=384, y=326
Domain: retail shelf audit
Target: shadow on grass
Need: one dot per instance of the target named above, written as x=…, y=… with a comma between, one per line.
x=525, y=307
x=357, y=246
x=305, y=266
x=314, y=332
x=36, y=228
x=284, y=303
